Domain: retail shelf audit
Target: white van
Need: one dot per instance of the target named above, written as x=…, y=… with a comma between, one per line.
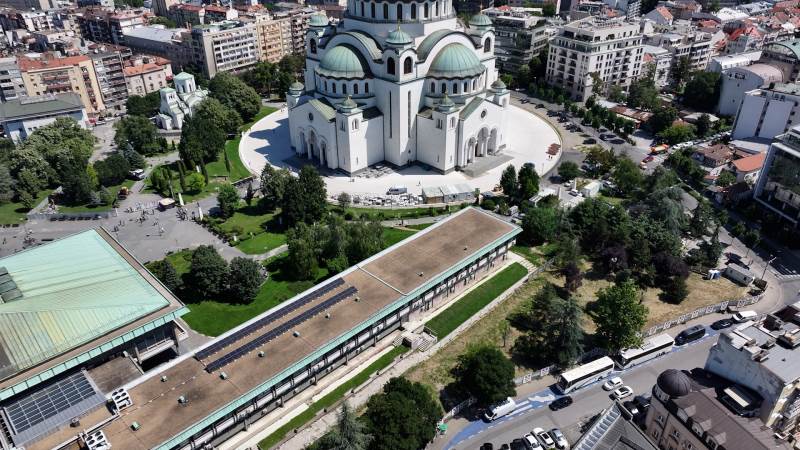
x=397, y=190
x=499, y=410
x=744, y=316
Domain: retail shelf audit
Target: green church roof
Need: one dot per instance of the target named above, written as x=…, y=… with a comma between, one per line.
x=480, y=20
x=342, y=61
x=183, y=76
x=74, y=291
x=455, y=61
x=398, y=37
x=318, y=20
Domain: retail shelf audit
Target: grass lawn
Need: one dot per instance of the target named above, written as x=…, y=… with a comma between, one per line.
x=528, y=253
x=419, y=226
x=14, y=212
x=213, y=318
x=449, y=319
x=330, y=399
x=392, y=236
x=257, y=229
x=96, y=208
x=238, y=170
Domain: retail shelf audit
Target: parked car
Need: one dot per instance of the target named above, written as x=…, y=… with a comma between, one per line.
x=642, y=402
x=520, y=444
x=543, y=437
x=540, y=105
x=647, y=159
x=504, y=447
x=560, y=403
x=690, y=334
x=574, y=192
x=532, y=442
x=632, y=407
x=499, y=410
x=612, y=384
x=559, y=439
x=487, y=446
x=744, y=316
x=590, y=141
x=623, y=392
x=721, y=324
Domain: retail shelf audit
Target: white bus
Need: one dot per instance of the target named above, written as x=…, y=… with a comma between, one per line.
x=652, y=347
x=585, y=374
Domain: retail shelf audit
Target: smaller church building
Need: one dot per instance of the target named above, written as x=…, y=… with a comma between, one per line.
x=179, y=102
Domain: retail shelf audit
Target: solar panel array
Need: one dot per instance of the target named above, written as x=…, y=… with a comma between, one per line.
x=280, y=329
x=45, y=403
x=263, y=322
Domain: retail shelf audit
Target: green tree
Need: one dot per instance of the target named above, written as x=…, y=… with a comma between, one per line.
x=616, y=94
x=751, y=238
x=195, y=183
x=677, y=133
x=643, y=94
x=486, y=374
x=703, y=125
x=402, y=417
x=702, y=91
x=627, y=176
x=508, y=181
x=304, y=197
x=302, y=256
x=139, y=132
x=725, y=179
x=204, y=134
x=165, y=272
x=235, y=94
x=159, y=20
x=662, y=118
x=549, y=10
x=134, y=158
x=28, y=186
x=228, y=200
x=675, y=290
x=568, y=171
x=76, y=185
x=209, y=272
x=679, y=71
x=527, y=182
x=344, y=200
x=363, y=239
x=113, y=170
x=273, y=183
x=349, y=433
x=702, y=218
x=147, y=106
x=573, y=277
x=245, y=279
x=565, y=332
x=6, y=185
x=539, y=225
x=619, y=315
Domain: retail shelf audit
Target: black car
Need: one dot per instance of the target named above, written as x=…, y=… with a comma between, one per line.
x=721, y=324
x=540, y=105
x=560, y=403
x=690, y=334
x=632, y=408
x=504, y=447
x=487, y=446
x=590, y=141
x=642, y=402
x=520, y=444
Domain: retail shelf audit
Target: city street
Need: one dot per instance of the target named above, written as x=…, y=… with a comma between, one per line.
x=533, y=411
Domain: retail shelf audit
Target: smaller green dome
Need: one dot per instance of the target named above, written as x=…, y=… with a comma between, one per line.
x=446, y=105
x=498, y=85
x=455, y=61
x=318, y=20
x=480, y=20
x=348, y=105
x=297, y=86
x=398, y=37
x=342, y=61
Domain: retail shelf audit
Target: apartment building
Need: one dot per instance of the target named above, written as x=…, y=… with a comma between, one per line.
x=11, y=85
x=763, y=355
x=169, y=43
x=27, y=5
x=298, y=25
x=147, y=74
x=519, y=36
x=12, y=19
x=610, y=48
x=274, y=37
x=109, y=26
x=734, y=83
x=109, y=62
x=778, y=187
x=225, y=47
x=766, y=113
x=695, y=410
x=161, y=7
x=659, y=60
x=185, y=14
x=696, y=46
x=47, y=74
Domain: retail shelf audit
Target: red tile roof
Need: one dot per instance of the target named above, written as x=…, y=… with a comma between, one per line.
x=48, y=61
x=750, y=163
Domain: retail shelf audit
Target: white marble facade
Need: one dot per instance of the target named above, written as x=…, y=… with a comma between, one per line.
x=398, y=82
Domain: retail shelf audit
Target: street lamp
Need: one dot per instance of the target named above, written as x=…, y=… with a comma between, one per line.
x=764, y=273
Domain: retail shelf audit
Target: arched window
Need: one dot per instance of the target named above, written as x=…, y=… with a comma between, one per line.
x=436, y=10
x=362, y=9
x=455, y=88
x=466, y=87
x=344, y=88
x=433, y=88
x=444, y=88
x=399, y=12
x=366, y=87
x=355, y=89
x=390, y=66
x=487, y=45
x=326, y=85
x=386, y=11
x=425, y=11
x=473, y=85
x=313, y=46
x=413, y=11
x=407, y=65
x=372, y=10
x=334, y=87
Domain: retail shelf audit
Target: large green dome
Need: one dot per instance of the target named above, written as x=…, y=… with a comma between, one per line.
x=480, y=20
x=455, y=61
x=342, y=62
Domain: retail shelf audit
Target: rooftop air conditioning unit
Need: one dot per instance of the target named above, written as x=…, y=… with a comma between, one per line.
x=97, y=441
x=121, y=399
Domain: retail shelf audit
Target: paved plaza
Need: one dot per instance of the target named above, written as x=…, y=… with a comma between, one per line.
x=530, y=136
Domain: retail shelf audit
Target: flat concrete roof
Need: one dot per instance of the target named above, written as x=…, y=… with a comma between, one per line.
x=381, y=280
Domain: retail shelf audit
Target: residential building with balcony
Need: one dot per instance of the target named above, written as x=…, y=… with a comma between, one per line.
x=185, y=14
x=768, y=112
x=147, y=74
x=763, y=355
x=298, y=24
x=11, y=85
x=696, y=46
x=659, y=61
x=11, y=19
x=109, y=62
x=778, y=187
x=228, y=46
x=610, y=48
x=172, y=44
x=520, y=36
x=99, y=25
x=274, y=37
x=47, y=74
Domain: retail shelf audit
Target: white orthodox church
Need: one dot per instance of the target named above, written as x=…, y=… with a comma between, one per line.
x=398, y=82
x=178, y=103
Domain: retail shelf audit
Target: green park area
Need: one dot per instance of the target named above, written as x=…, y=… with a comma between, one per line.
x=14, y=212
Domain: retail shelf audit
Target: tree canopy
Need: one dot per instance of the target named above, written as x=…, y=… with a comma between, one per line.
x=702, y=91
x=140, y=133
x=619, y=316
x=304, y=197
x=402, y=417
x=486, y=374
x=235, y=94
